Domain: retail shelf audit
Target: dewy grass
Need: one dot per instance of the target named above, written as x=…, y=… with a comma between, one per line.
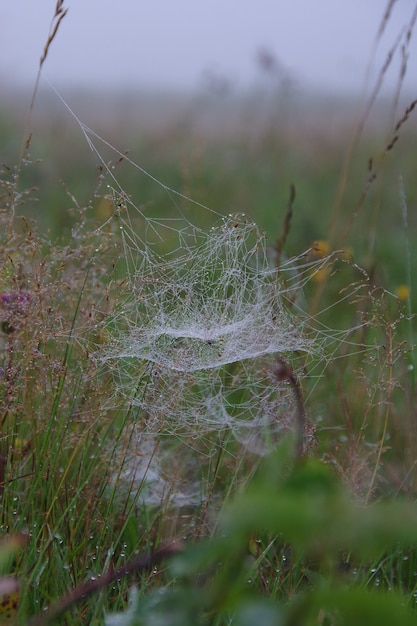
x=53, y=298
x=137, y=401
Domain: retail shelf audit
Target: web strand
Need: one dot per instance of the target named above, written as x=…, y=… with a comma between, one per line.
x=204, y=315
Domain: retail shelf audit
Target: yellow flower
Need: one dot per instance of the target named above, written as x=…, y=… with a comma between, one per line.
x=320, y=249
x=402, y=292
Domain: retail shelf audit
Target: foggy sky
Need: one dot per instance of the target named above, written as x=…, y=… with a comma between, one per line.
x=326, y=44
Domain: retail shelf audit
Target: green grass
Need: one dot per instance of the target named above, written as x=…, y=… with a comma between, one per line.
x=327, y=539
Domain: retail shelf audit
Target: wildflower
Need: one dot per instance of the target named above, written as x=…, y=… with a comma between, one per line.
x=320, y=249
x=402, y=292
x=9, y=598
x=14, y=308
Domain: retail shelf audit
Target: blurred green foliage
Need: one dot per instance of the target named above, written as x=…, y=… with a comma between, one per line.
x=304, y=507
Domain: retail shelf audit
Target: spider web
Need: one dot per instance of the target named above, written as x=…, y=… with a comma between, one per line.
x=202, y=318
x=195, y=340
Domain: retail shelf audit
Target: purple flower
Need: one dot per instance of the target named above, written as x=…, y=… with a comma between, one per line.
x=14, y=307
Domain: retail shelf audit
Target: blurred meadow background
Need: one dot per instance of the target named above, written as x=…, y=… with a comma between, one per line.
x=327, y=174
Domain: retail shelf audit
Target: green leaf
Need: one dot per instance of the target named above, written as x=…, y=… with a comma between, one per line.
x=311, y=510
x=344, y=607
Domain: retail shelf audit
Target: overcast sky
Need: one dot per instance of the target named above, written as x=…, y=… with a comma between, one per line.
x=177, y=43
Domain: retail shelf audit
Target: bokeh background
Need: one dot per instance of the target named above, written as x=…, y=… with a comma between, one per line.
x=227, y=103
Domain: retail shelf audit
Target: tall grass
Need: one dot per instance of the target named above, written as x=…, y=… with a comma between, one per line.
x=327, y=538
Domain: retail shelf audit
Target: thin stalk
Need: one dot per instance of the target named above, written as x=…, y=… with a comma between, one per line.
x=285, y=372
x=143, y=562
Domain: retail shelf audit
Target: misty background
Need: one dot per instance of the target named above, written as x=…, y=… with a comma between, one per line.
x=329, y=45
x=164, y=79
